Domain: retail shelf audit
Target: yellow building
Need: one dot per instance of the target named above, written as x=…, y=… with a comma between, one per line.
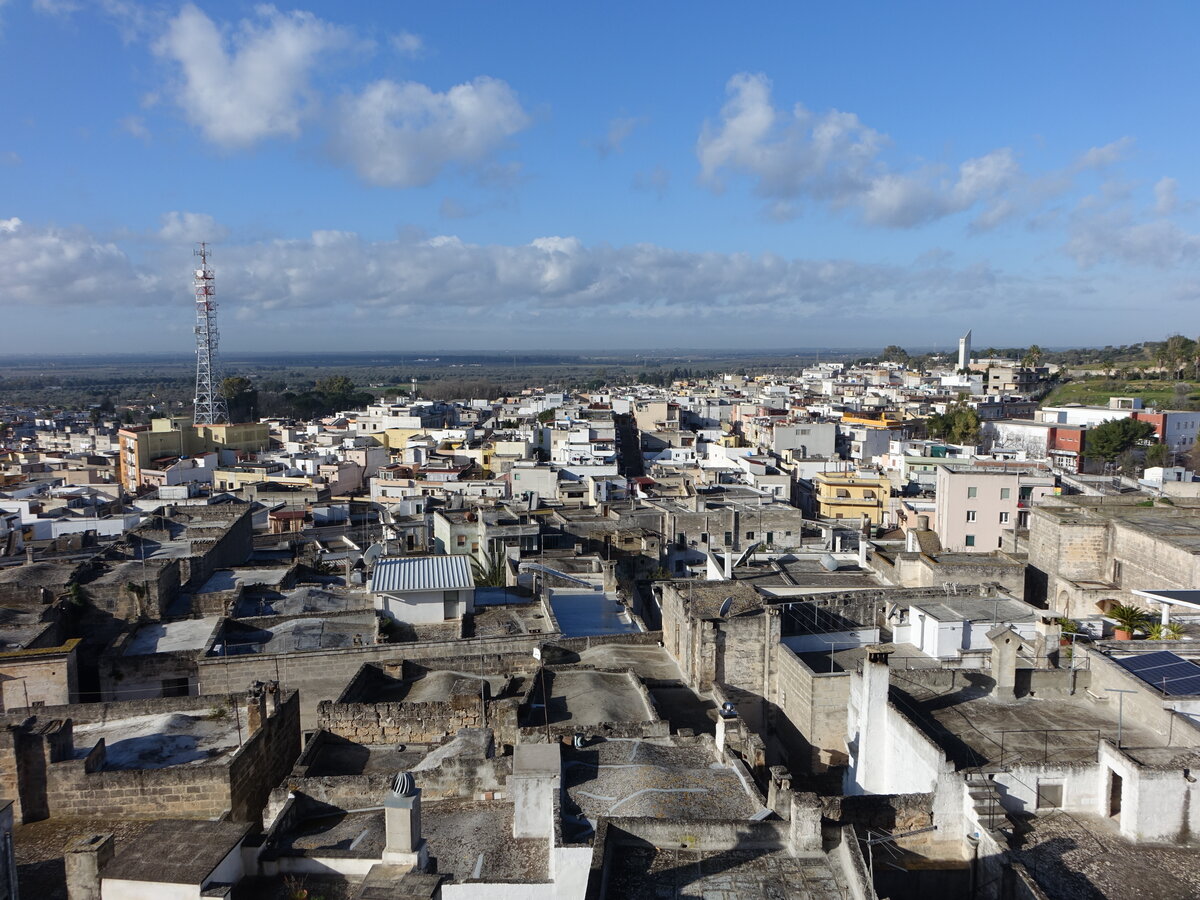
x=167, y=439
x=851, y=495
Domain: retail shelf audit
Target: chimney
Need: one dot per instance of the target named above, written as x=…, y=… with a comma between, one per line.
x=1005, y=643
x=910, y=541
x=728, y=565
x=256, y=707
x=83, y=860
x=28, y=553
x=922, y=523
x=872, y=754
x=274, y=695
x=402, y=824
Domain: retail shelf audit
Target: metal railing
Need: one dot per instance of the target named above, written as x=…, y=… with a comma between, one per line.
x=1045, y=733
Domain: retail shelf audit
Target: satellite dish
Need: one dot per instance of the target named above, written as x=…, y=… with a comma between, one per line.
x=725, y=606
x=372, y=553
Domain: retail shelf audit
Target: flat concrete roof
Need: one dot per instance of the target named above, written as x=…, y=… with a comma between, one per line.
x=649, y=873
x=976, y=728
x=160, y=740
x=646, y=660
x=171, y=637
x=1080, y=855
x=584, y=698
x=464, y=834
x=177, y=851
x=229, y=579
x=537, y=759
x=637, y=778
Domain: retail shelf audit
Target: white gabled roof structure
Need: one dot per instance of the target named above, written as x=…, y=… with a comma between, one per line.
x=395, y=574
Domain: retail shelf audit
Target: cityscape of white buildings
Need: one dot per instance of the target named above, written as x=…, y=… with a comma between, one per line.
x=748, y=635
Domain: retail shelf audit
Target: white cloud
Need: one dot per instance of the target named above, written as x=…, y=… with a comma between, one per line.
x=189, y=228
x=836, y=160
x=619, y=130
x=59, y=267
x=444, y=276
x=408, y=44
x=656, y=181
x=10, y=157
x=136, y=127
x=1114, y=226
x=253, y=83
x=554, y=288
x=1109, y=154
x=404, y=135
x=1166, y=196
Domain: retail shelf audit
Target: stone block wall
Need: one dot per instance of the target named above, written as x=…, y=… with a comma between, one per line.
x=266, y=758
x=812, y=706
x=47, y=675
x=322, y=674
x=51, y=783
x=418, y=723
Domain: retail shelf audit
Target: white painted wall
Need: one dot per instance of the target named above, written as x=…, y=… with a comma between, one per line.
x=423, y=607
x=121, y=889
x=841, y=640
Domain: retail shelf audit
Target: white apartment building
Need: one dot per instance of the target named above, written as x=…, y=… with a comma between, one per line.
x=978, y=503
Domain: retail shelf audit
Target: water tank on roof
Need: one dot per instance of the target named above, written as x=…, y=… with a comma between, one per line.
x=828, y=563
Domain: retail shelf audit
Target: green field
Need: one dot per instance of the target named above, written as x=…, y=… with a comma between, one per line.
x=1097, y=392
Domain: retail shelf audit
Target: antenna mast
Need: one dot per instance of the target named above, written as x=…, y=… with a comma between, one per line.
x=210, y=405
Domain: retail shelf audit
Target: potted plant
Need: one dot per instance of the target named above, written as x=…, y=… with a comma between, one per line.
x=1172, y=631
x=1068, y=626
x=1129, y=619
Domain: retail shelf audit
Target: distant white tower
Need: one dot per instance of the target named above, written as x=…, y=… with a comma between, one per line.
x=210, y=405
x=964, y=351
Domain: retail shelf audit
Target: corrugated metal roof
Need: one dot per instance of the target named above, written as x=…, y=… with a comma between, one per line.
x=422, y=573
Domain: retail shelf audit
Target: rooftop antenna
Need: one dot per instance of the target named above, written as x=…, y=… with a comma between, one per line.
x=210, y=406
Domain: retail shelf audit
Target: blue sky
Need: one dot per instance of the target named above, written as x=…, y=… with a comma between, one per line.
x=466, y=176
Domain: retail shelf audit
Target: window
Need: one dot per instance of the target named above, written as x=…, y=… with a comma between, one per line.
x=1050, y=796
x=1004, y=518
x=970, y=515
x=749, y=535
x=970, y=540
x=1005, y=493
x=175, y=687
x=728, y=538
x=462, y=540
x=972, y=493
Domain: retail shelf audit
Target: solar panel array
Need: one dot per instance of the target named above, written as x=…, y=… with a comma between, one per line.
x=1164, y=671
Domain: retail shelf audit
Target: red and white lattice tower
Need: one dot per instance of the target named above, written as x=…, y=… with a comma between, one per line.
x=210, y=405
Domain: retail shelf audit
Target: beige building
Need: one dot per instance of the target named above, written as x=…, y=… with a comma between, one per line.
x=978, y=504
x=1087, y=554
x=852, y=495
x=149, y=447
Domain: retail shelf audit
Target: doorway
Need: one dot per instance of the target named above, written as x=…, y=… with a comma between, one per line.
x=1114, y=796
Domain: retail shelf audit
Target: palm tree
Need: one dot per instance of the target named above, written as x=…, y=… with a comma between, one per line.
x=1129, y=619
x=490, y=570
x=1172, y=631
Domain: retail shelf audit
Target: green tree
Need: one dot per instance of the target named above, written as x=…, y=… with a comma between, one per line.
x=959, y=424
x=1110, y=439
x=892, y=353
x=240, y=396
x=1033, y=357
x=1158, y=455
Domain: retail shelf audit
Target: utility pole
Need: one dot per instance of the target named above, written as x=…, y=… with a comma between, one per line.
x=1120, y=692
